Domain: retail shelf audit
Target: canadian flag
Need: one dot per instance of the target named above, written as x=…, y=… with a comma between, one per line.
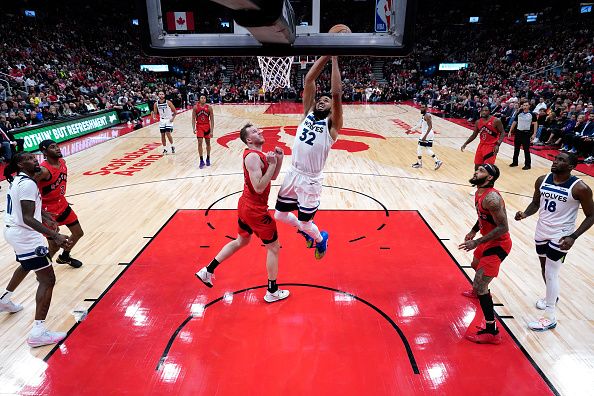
x=180, y=20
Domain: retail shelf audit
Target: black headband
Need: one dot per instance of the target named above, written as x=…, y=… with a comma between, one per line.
x=492, y=170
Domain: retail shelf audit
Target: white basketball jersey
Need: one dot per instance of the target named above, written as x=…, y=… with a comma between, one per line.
x=164, y=110
x=22, y=188
x=558, y=209
x=312, y=145
x=423, y=123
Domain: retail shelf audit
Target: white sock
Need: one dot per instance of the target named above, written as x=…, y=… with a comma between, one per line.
x=6, y=296
x=310, y=229
x=552, y=269
x=287, y=218
x=38, y=327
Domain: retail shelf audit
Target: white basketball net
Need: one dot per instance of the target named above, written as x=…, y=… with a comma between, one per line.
x=276, y=72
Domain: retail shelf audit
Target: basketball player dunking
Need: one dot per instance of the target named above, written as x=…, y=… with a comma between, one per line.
x=491, y=249
x=426, y=139
x=203, y=124
x=166, y=111
x=52, y=184
x=491, y=135
x=557, y=196
x=302, y=187
x=252, y=210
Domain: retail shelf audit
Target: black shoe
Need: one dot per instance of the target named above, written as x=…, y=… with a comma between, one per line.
x=513, y=164
x=74, y=263
x=526, y=167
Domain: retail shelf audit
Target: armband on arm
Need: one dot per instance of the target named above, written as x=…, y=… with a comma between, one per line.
x=476, y=227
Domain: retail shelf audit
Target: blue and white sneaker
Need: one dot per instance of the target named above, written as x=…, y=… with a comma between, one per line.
x=309, y=241
x=322, y=245
x=543, y=324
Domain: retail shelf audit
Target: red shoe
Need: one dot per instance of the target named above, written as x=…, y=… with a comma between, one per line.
x=483, y=337
x=470, y=293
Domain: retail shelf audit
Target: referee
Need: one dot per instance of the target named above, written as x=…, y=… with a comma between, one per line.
x=526, y=125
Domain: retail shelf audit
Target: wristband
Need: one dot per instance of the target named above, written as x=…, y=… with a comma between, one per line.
x=476, y=228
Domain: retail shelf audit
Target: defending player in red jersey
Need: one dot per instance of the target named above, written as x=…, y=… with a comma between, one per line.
x=252, y=210
x=491, y=249
x=203, y=125
x=492, y=134
x=52, y=185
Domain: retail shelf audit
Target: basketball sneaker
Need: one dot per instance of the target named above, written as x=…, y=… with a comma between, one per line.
x=10, y=307
x=438, y=164
x=417, y=165
x=541, y=303
x=470, y=293
x=172, y=150
x=45, y=338
x=276, y=296
x=204, y=276
x=482, y=336
x=543, y=324
x=201, y=164
x=74, y=263
x=309, y=241
x=208, y=162
x=164, y=151
x=322, y=246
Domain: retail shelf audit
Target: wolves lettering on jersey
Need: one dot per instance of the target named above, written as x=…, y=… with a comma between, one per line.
x=164, y=110
x=312, y=145
x=558, y=208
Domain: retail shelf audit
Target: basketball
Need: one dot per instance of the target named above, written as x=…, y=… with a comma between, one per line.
x=340, y=28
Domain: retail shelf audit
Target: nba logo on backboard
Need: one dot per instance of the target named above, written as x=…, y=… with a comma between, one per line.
x=383, y=9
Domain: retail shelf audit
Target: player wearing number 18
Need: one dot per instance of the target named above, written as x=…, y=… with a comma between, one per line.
x=302, y=187
x=557, y=197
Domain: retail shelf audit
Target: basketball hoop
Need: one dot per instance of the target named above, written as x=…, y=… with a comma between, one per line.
x=276, y=72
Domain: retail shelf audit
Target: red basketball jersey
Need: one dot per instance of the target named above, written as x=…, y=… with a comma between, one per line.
x=486, y=222
x=54, y=190
x=249, y=195
x=487, y=131
x=202, y=114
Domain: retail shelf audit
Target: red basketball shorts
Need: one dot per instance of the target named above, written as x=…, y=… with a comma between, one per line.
x=256, y=220
x=490, y=256
x=203, y=131
x=484, y=155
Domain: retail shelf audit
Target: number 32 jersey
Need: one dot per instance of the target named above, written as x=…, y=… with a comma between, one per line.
x=312, y=145
x=558, y=209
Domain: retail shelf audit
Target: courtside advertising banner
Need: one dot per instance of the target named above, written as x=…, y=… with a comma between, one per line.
x=67, y=130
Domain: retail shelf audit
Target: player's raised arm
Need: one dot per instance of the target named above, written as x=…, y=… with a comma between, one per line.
x=336, y=89
x=309, y=85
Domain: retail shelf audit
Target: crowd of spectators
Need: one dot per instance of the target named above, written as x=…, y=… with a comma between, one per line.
x=87, y=58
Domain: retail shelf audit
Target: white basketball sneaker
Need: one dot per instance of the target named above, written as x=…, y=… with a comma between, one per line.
x=10, y=307
x=276, y=296
x=45, y=338
x=543, y=324
x=438, y=164
x=205, y=276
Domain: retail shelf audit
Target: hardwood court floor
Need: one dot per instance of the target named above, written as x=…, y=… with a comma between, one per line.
x=124, y=190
